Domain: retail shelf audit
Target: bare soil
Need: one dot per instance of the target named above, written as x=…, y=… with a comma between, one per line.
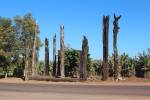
x=45, y=96
x=92, y=81
x=8, y=95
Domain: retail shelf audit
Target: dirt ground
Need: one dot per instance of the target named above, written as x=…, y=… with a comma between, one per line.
x=47, y=96
x=130, y=81
x=8, y=95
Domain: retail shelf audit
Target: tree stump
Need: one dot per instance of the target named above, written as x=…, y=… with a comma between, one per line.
x=105, y=69
x=54, y=55
x=115, y=33
x=46, y=69
x=62, y=73
x=83, y=59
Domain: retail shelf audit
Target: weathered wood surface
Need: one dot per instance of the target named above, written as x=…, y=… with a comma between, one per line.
x=54, y=55
x=62, y=73
x=83, y=60
x=46, y=69
x=105, y=47
x=115, y=33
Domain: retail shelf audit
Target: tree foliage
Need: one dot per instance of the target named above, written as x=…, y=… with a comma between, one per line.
x=13, y=34
x=143, y=64
x=72, y=62
x=7, y=44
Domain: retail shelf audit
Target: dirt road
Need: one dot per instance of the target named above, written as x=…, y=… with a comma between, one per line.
x=27, y=91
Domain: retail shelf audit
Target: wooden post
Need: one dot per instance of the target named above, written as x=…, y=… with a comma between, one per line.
x=105, y=47
x=83, y=60
x=54, y=55
x=62, y=74
x=46, y=70
x=115, y=32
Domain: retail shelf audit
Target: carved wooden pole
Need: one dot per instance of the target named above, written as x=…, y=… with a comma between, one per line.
x=34, y=52
x=54, y=55
x=105, y=47
x=46, y=69
x=62, y=74
x=83, y=60
x=115, y=32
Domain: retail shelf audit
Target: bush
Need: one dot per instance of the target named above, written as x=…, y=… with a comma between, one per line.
x=18, y=72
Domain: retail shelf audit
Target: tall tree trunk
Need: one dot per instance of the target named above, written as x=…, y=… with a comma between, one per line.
x=105, y=47
x=26, y=69
x=54, y=55
x=83, y=60
x=115, y=32
x=62, y=74
x=34, y=53
x=46, y=69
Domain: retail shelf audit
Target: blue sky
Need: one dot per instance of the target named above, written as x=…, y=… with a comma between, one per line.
x=84, y=17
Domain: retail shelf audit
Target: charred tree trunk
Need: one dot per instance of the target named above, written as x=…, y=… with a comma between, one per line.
x=34, y=52
x=115, y=32
x=83, y=59
x=54, y=55
x=46, y=70
x=105, y=47
x=62, y=73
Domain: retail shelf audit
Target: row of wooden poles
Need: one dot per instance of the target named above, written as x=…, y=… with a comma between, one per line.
x=84, y=53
